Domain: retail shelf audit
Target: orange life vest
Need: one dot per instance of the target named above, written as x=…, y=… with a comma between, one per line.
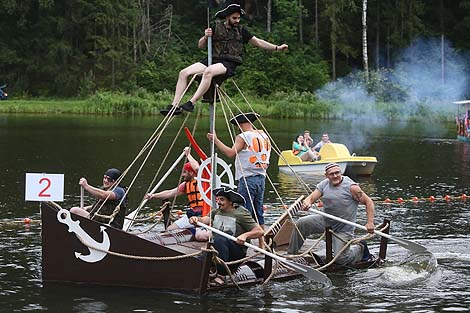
x=194, y=196
x=295, y=151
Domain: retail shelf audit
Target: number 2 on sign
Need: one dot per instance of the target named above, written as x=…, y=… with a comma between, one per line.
x=44, y=187
x=48, y=184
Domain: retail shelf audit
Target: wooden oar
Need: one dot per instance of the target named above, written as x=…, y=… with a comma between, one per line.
x=306, y=271
x=407, y=244
x=81, y=197
x=131, y=216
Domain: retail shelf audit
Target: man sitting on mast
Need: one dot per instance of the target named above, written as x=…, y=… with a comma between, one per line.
x=228, y=47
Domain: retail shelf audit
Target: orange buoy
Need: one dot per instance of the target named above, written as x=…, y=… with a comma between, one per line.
x=415, y=199
x=432, y=198
x=400, y=200
x=463, y=196
x=27, y=220
x=387, y=200
x=447, y=197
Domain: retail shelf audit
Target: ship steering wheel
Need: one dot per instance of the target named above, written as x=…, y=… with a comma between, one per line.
x=223, y=178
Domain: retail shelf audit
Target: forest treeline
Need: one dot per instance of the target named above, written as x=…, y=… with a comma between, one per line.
x=58, y=48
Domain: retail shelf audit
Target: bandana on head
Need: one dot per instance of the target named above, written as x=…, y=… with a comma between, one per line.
x=113, y=173
x=330, y=165
x=189, y=168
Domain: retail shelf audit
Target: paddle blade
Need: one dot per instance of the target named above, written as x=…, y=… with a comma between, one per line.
x=309, y=272
x=410, y=245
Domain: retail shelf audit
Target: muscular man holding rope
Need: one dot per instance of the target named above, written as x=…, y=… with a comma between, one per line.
x=228, y=47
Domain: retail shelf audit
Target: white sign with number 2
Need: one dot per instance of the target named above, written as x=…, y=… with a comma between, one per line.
x=44, y=187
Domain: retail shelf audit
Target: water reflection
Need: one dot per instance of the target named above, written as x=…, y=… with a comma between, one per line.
x=289, y=183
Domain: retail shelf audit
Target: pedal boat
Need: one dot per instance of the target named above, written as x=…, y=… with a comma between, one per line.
x=352, y=165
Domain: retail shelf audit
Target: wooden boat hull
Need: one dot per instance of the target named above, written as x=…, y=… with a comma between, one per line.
x=334, y=152
x=83, y=251
x=61, y=263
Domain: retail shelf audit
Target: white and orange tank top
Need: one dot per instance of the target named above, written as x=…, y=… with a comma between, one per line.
x=254, y=159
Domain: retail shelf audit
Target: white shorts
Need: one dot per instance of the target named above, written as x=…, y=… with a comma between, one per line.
x=183, y=222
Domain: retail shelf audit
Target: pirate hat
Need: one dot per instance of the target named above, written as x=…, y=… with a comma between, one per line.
x=230, y=194
x=230, y=7
x=244, y=118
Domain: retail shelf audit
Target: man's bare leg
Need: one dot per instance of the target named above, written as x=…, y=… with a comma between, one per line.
x=183, y=80
x=211, y=71
x=79, y=211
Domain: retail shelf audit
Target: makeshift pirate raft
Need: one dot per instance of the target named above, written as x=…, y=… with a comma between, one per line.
x=81, y=250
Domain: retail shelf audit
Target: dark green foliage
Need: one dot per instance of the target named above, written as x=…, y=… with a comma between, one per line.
x=77, y=47
x=296, y=70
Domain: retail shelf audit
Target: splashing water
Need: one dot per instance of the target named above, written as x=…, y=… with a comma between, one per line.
x=414, y=269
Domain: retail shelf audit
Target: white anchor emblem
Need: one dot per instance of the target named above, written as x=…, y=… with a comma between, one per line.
x=63, y=216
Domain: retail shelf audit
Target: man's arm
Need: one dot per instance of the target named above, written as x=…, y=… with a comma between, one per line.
x=191, y=160
x=238, y=145
x=361, y=197
x=318, y=145
x=165, y=194
x=202, y=43
x=314, y=196
x=263, y=44
x=97, y=192
x=203, y=219
x=255, y=232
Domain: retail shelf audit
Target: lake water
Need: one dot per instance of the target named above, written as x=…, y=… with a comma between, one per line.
x=415, y=160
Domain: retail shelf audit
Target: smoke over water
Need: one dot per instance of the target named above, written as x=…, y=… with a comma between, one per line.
x=415, y=85
x=415, y=81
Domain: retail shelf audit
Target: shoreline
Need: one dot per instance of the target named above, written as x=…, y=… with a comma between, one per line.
x=280, y=105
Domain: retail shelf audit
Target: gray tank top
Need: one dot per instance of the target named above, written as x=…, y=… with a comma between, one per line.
x=338, y=201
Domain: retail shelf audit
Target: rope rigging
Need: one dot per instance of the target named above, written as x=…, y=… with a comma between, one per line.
x=229, y=109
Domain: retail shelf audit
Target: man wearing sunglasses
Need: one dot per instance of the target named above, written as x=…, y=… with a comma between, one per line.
x=110, y=198
x=341, y=197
